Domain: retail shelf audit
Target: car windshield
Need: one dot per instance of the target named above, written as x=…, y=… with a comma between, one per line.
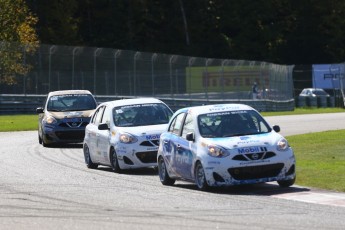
x=141, y=114
x=71, y=102
x=232, y=123
x=319, y=93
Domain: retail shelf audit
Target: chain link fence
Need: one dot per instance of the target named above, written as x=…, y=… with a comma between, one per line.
x=106, y=71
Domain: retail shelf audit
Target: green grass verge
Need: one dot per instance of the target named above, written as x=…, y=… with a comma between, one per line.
x=307, y=110
x=320, y=159
x=18, y=123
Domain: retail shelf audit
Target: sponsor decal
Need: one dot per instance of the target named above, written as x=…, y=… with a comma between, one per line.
x=153, y=137
x=254, y=162
x=248, y=142
x=214, y=163
x=244, y=138
x=152, y=149
x=252, y=150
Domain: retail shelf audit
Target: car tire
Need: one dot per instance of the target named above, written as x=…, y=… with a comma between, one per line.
x=163, y=173
x=286, y=183
x=200, y=178
x=39, y=139
x=87, y=158
x=44, y=143
x=114, y=161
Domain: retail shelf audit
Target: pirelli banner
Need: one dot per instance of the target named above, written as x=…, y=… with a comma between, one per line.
x=228, y=78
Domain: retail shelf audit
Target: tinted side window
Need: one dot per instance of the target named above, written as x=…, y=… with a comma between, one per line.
x=188, y=125
x=107, y=115
x=176, y=124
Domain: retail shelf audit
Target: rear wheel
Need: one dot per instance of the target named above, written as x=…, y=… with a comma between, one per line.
x=200, y=178
x=286, y=183
x=163, y=173
x=87, y=157
x=114, y=161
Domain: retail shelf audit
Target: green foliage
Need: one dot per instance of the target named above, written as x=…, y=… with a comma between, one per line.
x=16, y=26
x=320, y=159
x=284, y=31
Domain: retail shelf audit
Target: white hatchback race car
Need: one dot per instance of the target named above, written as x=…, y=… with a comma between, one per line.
x=223, y=145
x=124, y=134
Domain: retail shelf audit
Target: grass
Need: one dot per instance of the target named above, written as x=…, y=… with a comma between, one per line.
x=320, y=156
x=320, y=159
x=9, y=123
x=306, y=110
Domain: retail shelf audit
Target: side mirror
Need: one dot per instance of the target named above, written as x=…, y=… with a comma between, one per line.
x=103, y=126
x=39, y=110
x=190, y=137
x=276, y=128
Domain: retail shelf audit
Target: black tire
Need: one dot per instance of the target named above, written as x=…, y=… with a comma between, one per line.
x=44, y=143
x=286, y=183
x=200, y=178
x=39, y=139
x=114, y=162
x=163, y=173
x=87, y=157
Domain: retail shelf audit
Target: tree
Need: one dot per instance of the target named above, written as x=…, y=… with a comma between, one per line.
x=17, y=38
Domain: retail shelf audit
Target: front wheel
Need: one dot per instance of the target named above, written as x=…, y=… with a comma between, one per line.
x=200, y=178
x=286, y=183
x=88, y=160
x=163, y=173
x=114, y=161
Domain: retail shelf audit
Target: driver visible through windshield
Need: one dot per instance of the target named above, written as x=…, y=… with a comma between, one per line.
x=141, y=114
x=234, y=123
x=71, y=102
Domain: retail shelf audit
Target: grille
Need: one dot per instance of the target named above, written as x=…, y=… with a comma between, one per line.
x=253, y=156
x=73, y=124
x=256, y=172
x=147, y=157
x=71, y=135
x=150, y=143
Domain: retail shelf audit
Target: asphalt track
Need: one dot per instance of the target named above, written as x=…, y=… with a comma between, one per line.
x=51, y=188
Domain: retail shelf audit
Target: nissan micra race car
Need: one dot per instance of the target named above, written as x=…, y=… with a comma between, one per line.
x=124, y=134
x=223, y=145
x=64, y=116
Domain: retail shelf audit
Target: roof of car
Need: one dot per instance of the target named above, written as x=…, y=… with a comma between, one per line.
x=134, y=101
x=216, y=108
x=63, y=92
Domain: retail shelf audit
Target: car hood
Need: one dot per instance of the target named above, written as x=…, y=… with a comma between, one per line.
x=266, y=139
x=144, y=130
x=71, y=114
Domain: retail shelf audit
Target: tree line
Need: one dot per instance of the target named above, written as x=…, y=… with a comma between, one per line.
x=278, y=31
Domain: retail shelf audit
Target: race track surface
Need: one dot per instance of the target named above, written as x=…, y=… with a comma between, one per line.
x=51, y=188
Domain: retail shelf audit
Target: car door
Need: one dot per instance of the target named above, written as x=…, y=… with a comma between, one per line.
x=91, y=136
x=183, y=152
x=104, y=136
x=169, y=142
x=94, y=135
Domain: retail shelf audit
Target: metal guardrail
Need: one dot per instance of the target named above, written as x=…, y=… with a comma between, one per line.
x=27, y=104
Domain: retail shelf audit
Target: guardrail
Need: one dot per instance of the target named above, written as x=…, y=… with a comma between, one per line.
x=27, y=104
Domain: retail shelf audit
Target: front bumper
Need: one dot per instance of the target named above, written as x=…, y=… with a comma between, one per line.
x=232, y=172
x=136, y=155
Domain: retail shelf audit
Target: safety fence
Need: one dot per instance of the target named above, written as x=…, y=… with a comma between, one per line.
x=114, y=72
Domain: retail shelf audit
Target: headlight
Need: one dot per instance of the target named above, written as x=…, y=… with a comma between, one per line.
x=127, y=138
x=216, y=151
x=282, y=145
x=50, y=120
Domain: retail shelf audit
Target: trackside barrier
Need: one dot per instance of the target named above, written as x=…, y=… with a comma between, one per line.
x=27, y=104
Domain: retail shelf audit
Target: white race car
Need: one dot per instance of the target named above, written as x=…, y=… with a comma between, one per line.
x=223, y=145
x=124, y=134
